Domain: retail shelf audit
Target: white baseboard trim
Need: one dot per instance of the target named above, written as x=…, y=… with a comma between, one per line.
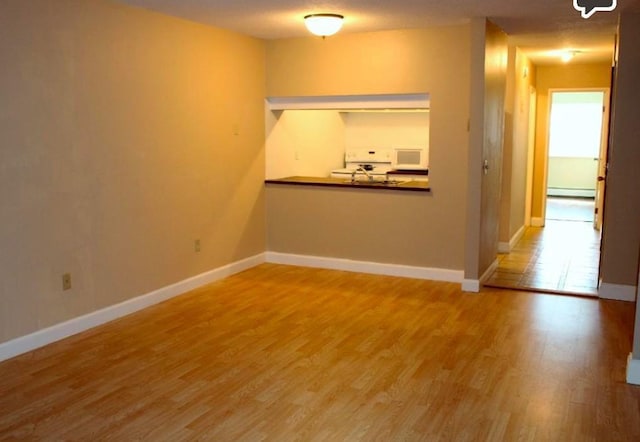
x=617, y=292
x=366, y=267
x=73, y=326
x=489, y=271
x=633, y=370
x=537, y=222
x=580, y=193
x=473, y=285
x=504, y=247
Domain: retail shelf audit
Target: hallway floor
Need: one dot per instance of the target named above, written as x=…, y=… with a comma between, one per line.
x=570, y=209
x=562, y=257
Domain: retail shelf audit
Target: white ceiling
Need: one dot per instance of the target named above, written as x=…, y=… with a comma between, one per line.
x=537, y=26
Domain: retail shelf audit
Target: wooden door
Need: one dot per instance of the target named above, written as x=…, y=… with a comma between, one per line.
x=602, y=164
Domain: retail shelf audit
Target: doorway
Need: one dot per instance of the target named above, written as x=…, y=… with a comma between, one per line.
x=561, y=254
x=573, y=155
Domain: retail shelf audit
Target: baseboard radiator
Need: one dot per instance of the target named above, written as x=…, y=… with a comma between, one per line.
x=578, y=193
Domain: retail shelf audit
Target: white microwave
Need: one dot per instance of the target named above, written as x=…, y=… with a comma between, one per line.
x=409, y=158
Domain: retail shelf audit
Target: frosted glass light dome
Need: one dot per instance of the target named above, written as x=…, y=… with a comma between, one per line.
x=323, y=25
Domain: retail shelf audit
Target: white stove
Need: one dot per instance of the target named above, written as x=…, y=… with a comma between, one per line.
x=377, y=162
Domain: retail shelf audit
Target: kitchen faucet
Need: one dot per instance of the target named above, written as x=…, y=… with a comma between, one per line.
x=360, y=168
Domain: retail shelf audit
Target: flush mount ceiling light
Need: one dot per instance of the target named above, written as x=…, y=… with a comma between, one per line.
x=567, y=56
x=323, y=25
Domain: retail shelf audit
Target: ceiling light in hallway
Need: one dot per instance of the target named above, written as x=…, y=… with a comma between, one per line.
x=567, y=56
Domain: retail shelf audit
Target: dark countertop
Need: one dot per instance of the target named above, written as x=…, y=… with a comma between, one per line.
x=423, y=172
x=398, y=185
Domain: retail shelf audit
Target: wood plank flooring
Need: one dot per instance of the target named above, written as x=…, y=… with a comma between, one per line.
x=283, y=353
x=562, y=257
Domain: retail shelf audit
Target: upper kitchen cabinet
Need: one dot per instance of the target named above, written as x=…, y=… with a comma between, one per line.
x=309, y=136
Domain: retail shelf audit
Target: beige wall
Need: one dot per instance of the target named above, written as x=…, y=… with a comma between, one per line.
x=434, y=61
x=570, y=76
x=117, y=128
x=489, y=77
x=621, y=235
x=381, y=226
x=521, y=76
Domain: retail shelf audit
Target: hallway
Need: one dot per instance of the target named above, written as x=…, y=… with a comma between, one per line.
x=562, y=257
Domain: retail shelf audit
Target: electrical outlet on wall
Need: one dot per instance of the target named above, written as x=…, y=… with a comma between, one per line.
x=66, y=281
x=196, y=245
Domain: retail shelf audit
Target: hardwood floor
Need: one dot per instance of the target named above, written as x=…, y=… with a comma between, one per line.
x=284, y=353
x=562, y=257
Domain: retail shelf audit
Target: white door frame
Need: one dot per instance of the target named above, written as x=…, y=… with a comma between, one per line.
x=545, y=166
